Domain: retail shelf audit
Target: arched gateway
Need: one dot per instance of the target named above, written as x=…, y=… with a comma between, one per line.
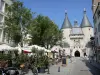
x=77, y=54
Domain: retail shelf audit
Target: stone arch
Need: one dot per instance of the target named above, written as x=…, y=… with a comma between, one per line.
x=77, y=54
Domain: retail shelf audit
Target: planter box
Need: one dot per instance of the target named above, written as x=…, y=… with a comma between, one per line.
x=42, y=70
x=38, y=69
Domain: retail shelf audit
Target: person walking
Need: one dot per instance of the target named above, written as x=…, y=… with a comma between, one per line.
x=22, y=67
x=70, y=59
x=34, y=70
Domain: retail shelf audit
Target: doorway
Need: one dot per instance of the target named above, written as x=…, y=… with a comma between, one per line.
x=77, y=54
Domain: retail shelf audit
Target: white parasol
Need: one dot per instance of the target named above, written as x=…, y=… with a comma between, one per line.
x=5, y=47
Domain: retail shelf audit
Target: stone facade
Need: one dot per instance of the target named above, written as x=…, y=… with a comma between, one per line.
x=3, y=15
x=94, y=5
x=96, y=19
x=76, y=39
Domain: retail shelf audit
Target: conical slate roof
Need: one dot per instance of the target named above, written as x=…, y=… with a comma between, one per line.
x=66, y=23
x=85, y=21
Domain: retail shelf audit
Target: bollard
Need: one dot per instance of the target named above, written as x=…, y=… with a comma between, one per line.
x=58, y=69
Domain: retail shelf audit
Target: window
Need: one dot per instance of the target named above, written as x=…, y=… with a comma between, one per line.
x=97, y=41
x=99, y=27
x=95, y=20
x=98, y=13
x=1, y=5
x=1, y=18
x=96, y=29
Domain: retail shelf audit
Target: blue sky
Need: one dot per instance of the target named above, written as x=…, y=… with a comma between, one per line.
x=55, y=9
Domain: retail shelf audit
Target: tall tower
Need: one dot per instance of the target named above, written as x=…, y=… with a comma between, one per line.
x=66, y=28
x=86, y=27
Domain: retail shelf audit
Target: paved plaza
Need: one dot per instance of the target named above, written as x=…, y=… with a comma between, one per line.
x=79, y=66
x=83, y=67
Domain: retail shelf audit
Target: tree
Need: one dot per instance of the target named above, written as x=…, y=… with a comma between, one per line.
x=44, y=32
x=17, y=16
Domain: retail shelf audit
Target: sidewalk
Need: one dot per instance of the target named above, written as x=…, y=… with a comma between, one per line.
x=95, y=64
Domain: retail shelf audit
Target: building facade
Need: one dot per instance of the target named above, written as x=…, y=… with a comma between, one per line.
x=96, y=19
x=3, y=15
x=94, y=5
x=76, y=39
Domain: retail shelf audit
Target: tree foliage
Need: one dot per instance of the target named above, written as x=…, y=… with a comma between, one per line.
x=17, y=15
x=44, y=32
x=19, y=19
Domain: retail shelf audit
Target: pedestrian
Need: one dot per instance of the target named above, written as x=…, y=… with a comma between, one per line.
x=56, y=61
x=34, y=70
x=59, y=69
x=48, y=69
x=84, y=54
x=22, y=67
x=70, y=59
x=26, y=66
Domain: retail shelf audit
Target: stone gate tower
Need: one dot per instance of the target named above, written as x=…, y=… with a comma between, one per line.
x=76, y=38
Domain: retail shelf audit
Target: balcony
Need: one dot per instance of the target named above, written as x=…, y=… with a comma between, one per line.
x=76, y=36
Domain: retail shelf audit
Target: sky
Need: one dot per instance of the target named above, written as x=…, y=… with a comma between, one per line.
x=55, y=9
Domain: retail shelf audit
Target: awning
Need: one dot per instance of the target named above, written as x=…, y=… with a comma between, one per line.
x=26, y=51
x=4, y=47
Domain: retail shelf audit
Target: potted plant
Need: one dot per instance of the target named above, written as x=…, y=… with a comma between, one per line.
x=41, y=64
x=42, y=67
x=46, y=61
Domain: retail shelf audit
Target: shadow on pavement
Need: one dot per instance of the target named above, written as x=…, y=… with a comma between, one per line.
x=92, y=69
